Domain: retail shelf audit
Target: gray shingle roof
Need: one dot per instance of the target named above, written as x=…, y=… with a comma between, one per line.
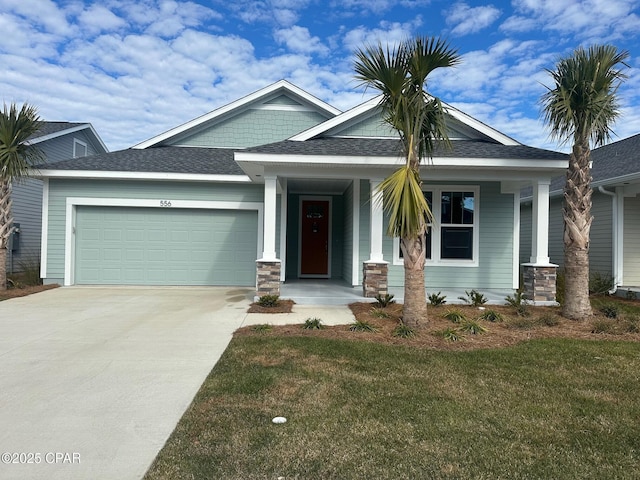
x=610, y=161
x=390, y=148
x=48, y=128
x=206, y=161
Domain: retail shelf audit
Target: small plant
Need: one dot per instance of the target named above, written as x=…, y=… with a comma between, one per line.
x=609, y=310
x=30, y=267
x=385, y=300
x=379, y=313
x=630, y=295
x=522, y=323
x=262, y=328
x=632, y=325
x=519, y=302
x=269, y=301
x=450, y=334
x=474, y=298
x=403, y=331
x=491, y=316
x=549, y=319
x=474, y=328
x=313, y=324
x=600, y=283
x=456, y=316
x=603, y=326
x=436, y=300
x=362, y=326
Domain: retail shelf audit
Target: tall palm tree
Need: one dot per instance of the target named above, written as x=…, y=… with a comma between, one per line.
x=581, y=106
x=17, y=158
x=400, y=75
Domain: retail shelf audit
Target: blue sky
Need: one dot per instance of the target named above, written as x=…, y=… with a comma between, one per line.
x=135, y=68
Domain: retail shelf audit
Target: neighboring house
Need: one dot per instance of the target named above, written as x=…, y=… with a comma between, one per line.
x=279, y=185
x=58, y=141
x=614, y=248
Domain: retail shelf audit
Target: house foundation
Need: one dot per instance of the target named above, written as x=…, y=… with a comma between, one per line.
x=540, y=283
x=375, y=279
x=268, y=277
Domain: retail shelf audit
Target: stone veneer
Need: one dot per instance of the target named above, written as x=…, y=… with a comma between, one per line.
x=540, y=283
x=268, y=277
x=374, y=279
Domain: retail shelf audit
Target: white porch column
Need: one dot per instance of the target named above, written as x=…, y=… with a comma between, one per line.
x=269, y=244
x=377, y=223
x=540, y=223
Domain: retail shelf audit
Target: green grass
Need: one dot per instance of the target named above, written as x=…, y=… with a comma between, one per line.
x=543, y=409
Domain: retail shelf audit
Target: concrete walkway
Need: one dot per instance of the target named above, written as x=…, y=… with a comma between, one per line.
x=94, y=380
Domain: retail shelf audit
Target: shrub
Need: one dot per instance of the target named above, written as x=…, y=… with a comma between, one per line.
x=519, y=302
x=456, y=316
x=474, y=298
x=262, y=328
x=603, y=326
x=609, y=310
x=549, y=319
x=30, y=267
x=474, y=328
x=630, y=295
x=632, y=325
x=600, y=283
x=491, y=316
x=379, y=313
x=522, y=323
x=313, y=324
x=269, y=300
x=403, y=331
x=385, y=300
x=450, y=334
x=437, y=300
x=362, y=326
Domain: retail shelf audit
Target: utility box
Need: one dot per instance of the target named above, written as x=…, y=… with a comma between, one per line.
x=14, y=239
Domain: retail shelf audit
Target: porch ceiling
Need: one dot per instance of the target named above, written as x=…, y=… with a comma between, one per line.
x=309, y=185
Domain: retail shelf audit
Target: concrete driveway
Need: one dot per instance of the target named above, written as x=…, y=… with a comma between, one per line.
x=94, y=380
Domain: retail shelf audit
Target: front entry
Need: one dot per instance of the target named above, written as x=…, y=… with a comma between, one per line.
x=314, y=238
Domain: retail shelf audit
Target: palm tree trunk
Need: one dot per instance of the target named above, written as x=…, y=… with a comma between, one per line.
x=6, y=224
x=415, y=300
x=577, y=228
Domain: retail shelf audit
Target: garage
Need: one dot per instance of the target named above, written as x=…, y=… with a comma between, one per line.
x=165, y=246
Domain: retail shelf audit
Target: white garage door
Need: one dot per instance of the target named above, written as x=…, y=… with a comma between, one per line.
x=155, y=246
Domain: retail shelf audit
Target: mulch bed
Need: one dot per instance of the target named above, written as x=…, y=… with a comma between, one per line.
x=284, y=306
x=24, y=291
x=511, y=331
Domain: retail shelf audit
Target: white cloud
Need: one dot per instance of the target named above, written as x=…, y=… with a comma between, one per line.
x=299, y=40
x=98, y=19
x=471, y=19
x=388, y=33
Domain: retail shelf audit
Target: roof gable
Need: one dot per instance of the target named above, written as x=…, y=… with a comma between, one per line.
x=281, y=108
x=365, y=120
x=51, y=130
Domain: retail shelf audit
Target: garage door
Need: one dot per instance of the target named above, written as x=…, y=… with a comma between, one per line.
x=155, y=246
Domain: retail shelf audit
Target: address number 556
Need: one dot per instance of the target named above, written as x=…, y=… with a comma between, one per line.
x=165, y=203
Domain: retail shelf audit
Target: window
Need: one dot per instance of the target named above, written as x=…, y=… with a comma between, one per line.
x=453, y=237
x=79, y=148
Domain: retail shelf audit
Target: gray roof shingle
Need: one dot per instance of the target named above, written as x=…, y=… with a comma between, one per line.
x=48, y=128
x=206, y=161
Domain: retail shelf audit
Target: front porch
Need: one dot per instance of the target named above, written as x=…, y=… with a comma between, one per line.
x=338, y=292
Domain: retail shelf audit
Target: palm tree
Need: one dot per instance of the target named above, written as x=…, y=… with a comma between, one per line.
x=581, y=106
x=400, y=75
x=17, y=158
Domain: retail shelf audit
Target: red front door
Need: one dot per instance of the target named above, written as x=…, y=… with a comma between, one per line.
x=314, y=238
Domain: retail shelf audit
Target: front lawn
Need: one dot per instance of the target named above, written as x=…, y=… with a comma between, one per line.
x=358, y=408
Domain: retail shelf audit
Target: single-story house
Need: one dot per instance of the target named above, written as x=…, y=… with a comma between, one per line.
x=57, y=141
x=279, y=185
x=614, y=248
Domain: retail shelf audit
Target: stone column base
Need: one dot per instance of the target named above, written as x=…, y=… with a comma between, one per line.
x=268, y=277
x=374, y=279
x=540, y=283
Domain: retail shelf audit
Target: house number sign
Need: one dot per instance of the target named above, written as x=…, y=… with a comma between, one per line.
x=165, y=203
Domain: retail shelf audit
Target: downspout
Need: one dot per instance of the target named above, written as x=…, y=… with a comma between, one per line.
x=616, y=253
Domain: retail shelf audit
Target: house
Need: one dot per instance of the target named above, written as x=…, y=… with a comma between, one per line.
x=614, y=249
x=279, y=185
x=57, y=141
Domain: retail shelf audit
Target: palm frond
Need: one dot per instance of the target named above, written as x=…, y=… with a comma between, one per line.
x=17, y=156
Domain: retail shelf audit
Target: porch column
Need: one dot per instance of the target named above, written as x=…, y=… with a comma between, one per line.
x=268, y=267
x=375, y=270
x=539, y=275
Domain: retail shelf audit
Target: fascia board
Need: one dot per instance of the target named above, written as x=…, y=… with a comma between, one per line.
x=184, y=177
x=238, y=104
x=69, y=131
x=479, y=126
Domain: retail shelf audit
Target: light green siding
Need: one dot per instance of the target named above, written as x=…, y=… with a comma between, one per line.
x=631, y=271
x=59, y=190
x=601, y=236
x=253, y=127
x=495, y=257
x=154, y=246
x=370, y=127
x=525, y=232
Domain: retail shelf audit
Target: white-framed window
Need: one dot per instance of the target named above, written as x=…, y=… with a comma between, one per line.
x=79, y=148
x=452, y=238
